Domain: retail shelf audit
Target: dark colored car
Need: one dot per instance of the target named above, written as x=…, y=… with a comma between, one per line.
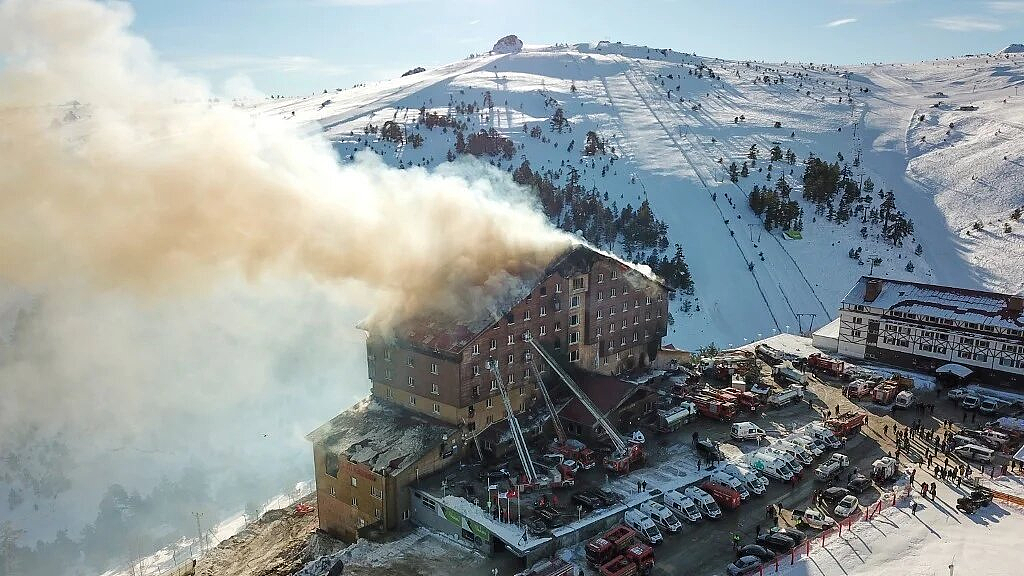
x=744, y=565
x=536, y=527
x=608, y=497
x=588, y=500
x=756, y=550
x=858, y=484
x=831, y=496
x=775, y=541
x=797, y=536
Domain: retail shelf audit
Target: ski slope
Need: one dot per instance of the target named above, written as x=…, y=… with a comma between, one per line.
x=670, y=133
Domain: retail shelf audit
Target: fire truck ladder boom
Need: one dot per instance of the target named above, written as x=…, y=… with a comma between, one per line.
x=513, y=425
x=555, y=421
x=613, y=434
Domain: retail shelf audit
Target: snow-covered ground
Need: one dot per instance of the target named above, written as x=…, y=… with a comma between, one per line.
x=937, y=540
x=670, y=128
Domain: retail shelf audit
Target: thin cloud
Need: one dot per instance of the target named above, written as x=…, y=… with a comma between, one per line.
x=253, y=63
x=472, y=22
x=840, y=22
x=366, y=2
x=1006, y=6
x=966, y=24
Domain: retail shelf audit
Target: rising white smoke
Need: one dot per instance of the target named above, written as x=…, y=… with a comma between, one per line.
x=194, y=272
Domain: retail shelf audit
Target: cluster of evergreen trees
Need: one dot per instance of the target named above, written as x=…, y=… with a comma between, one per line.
x=776, y=207
x=640, y=233
x=484, y=143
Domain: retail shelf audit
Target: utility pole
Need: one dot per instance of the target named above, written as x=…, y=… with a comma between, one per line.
x=199, y=531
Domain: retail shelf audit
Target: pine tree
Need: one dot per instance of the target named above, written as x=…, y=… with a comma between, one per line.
x=744, y=171
x=752, y=153
x=733, y=175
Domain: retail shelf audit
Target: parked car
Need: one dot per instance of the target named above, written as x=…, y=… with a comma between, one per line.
x=776, y=541
x=988, y=406
x=709, y=450
x=970, y=402
x=847, y=506
x=814, y=518
x=957, y=394
x=832, y=496
x=588, y=500
x=795, y=535
x=756, y=550
x=744, y=565
x=858, y=484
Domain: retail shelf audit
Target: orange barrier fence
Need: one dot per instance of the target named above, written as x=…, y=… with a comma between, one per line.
x=1008, y=497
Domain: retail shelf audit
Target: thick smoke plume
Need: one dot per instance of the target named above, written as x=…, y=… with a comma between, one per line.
x=143, y=185
x=187, y=275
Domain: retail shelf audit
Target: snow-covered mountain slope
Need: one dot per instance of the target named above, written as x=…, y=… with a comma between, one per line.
x=674, y=123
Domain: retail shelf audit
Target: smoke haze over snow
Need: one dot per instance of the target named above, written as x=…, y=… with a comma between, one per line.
x=194, y=273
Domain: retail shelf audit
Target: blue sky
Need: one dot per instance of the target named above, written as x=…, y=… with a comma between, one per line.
x=300, y=46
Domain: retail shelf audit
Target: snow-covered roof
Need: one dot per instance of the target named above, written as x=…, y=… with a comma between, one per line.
x=830, y=330
x=955, y=369
x=380, y=435
x=945, y=302
x=452, y=335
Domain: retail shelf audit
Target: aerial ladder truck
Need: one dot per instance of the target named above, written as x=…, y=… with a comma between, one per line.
x=513, y=425
x=568, y=447
x=624, y=456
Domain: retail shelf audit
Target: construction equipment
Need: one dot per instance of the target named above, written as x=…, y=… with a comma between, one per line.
x=624, y=456
x=513, y=425
x=573, y=449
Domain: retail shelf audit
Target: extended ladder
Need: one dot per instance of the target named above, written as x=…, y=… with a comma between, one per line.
x=513, y=425
x=555, y=421
x=613, y=434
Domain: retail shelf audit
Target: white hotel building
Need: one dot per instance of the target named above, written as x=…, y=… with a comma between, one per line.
x=925, y=326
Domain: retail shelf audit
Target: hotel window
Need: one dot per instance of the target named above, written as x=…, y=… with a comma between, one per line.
x=543, y=330
x=577, y=283
x=574, y=301
x=625, y=306
x=412, y=381
x=600, y=278
x=433, y=367
x=412, y=400
x=526, y=314
x=437, y=408
x=543, y=312
x=611, y=293
x=611, y=311
x=855, y=333
x=387, y=373
x=600, y=314
x=623, y=322
x=598, y=332
x=494, y=386
x=600, y=295
x=558, y=326
x=332, y=490
x=648, y=300
x=636, y=303
x=625, y=288
x=490, y=403
x=387, y=355
x=389, y=394
x=511, y=377
x=476, y=349
x=614, y=275
x=410, y=361
x=611, y=328
x=511, y=339
x=405, y=514
x=494, y=344
x=355, y=503
x=510, y=318
x=636, y=320
x=527, y=335
x=354, y=481
x=434, y=390
x=635, y=337
x=574, y=337
x=647, y=315
x=376, y=513
x=574, y=356
x=623, y=343
x=476, y=370
x=511, y=358
x=558, y=287
x=574, y=320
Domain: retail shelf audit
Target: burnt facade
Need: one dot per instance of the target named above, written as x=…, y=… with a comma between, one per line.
x=598, y=312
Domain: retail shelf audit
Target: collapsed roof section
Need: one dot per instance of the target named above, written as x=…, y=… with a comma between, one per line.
x=381, y=436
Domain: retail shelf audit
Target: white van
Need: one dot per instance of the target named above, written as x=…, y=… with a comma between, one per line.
x=682, y=506
x=787, y=459
x=729, y=480
x=822, y=432
x=783, y=448
x=904, y=399
x=746, y=431
x=771, y=466
x=755, y=483
x=816, y=449
x=974, y=452
x=705, y=503
x=643, y=525
x=994, y=436
x=661, y=515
